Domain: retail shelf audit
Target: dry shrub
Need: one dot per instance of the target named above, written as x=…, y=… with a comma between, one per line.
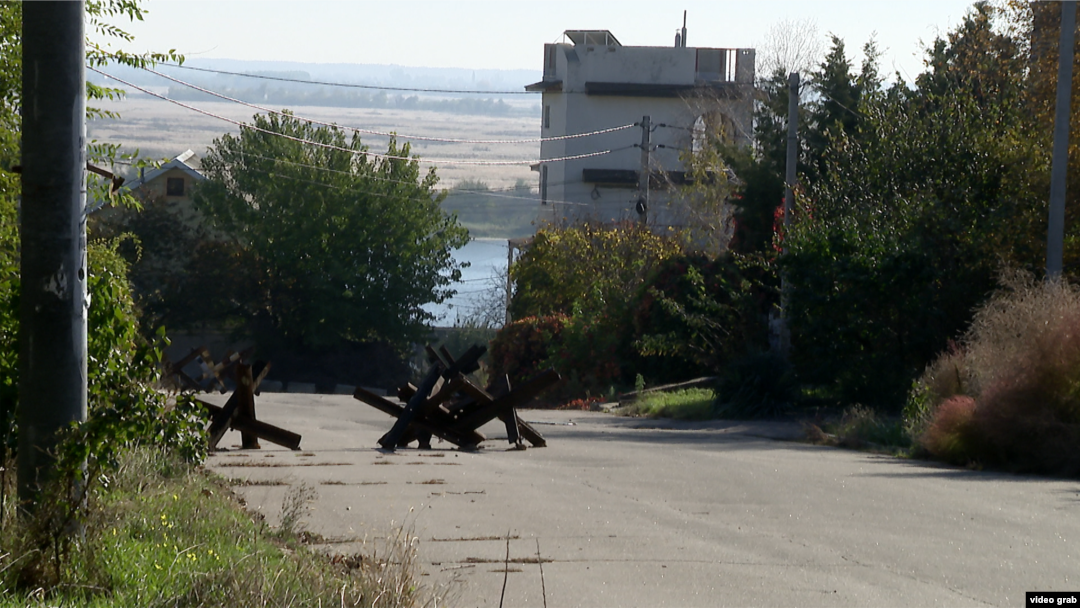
x=1030, y=419
x=1009, y=395
x=1011, y=328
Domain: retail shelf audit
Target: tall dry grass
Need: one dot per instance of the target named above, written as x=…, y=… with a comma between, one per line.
x=1008, y=395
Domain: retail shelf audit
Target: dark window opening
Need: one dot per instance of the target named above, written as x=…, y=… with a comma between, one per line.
x=547, y=117
x=543, y=184
x=174, y=186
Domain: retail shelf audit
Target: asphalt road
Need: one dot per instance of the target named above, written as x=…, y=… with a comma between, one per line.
x=631, y=512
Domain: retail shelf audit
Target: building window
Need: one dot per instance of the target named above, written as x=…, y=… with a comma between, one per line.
x=543, y=184
x=174, y=186
x=697, y=136
x=547, y=117
x=712, y=64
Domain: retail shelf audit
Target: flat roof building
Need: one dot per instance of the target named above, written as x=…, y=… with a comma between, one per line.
x=593, y=84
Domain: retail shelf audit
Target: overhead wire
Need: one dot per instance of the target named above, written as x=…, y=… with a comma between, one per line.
x=494, y=194
x=348, y=85
x=433, y=161
x=385, y=133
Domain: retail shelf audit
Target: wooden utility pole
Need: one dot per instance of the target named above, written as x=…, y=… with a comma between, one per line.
x=1055, y=235
x=52, y=318
x=643, y=176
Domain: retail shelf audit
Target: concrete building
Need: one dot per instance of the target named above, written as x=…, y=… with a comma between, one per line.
x=592, y=83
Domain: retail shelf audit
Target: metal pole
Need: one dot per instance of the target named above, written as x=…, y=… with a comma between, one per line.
x=52, y=329
x=643, y=176
x=1055, y=235
x=509, y=283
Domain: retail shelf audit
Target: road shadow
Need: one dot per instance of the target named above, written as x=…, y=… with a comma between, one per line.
x=937, y=470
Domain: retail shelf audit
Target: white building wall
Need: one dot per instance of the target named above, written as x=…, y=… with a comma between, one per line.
x=660, y=65
x=574, y=109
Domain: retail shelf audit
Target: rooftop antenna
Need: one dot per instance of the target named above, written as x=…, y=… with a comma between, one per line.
x=684, y=29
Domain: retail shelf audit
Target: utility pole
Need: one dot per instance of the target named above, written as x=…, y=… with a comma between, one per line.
x=1055, y=235
x=792, y=150
x=784, y=336
x=52, y=318
x=643, y=175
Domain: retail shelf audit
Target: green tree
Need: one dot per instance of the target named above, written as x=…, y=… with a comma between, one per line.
x=341, y=246
x=10, y=127
x=839, y=97
x=759, y=190
x=585, y=279
x=121, y=366
x=911, y=215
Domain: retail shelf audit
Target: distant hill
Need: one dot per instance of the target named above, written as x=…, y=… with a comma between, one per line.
x=490, y=98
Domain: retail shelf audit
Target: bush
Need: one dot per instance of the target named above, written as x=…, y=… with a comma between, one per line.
x=590, y=275
x=123, y=406
x=521, y=348
x=591, y=353
x=1009, y=395
x=861, y=427
x=950, y=434
x=695, y=315
x=596, y=266
x=758, y=385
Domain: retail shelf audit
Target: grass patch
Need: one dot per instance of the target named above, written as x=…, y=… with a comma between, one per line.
x=862, y=428
x=163, y=534
x=686, y=404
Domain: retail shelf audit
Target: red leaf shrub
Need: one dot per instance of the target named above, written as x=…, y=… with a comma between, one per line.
x=585, y=405
x=950, y=433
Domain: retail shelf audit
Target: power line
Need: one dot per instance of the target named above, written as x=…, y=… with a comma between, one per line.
x=386, y=179
x=358, y=152
x=389, y=134
x=347, y=85
x=495, y=194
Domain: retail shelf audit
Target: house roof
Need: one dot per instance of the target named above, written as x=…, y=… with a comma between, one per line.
x=180, y=162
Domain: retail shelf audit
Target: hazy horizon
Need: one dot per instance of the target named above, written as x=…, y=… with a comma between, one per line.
x=509, y=35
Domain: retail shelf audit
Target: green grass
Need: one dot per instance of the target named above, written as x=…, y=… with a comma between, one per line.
x=862, y=428
x=161, y=534
x=687, y=404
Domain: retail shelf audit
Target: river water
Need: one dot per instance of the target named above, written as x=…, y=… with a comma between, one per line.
x=485, y=275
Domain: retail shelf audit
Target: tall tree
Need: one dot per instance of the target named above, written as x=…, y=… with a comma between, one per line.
x=902, y=232
x=839, y=94
x=339, y=246
x=790, y=46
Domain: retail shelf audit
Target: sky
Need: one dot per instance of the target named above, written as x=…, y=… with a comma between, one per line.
x=510, y=34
